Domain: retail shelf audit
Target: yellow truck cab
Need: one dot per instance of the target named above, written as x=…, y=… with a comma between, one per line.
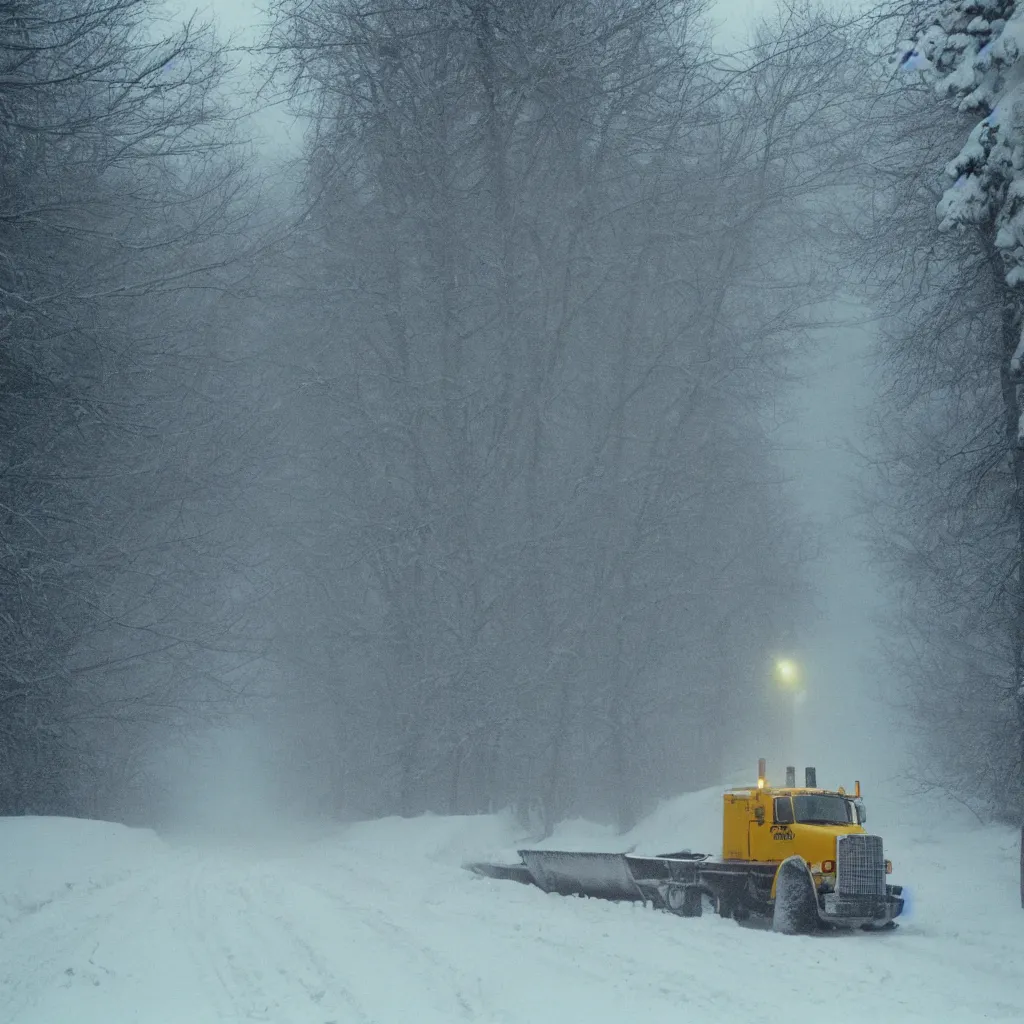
x=771, y=824
x=768, y=824
x=764, y=826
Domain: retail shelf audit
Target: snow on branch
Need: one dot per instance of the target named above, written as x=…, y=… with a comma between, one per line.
x=973, y=51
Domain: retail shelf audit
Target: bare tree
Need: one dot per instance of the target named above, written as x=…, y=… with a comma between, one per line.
x=541, y=314
x=119, y=193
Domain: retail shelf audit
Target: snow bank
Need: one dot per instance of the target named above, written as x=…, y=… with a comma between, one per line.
x=961, y=877
x=436, y=838
x=690, y=822
x=47, y=859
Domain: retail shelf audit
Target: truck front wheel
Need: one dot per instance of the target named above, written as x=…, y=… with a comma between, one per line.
x=796, y=900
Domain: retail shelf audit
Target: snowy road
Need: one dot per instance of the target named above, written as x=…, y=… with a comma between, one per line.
x=106, y=924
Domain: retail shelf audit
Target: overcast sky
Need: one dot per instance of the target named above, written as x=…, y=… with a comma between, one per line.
x=734, y=16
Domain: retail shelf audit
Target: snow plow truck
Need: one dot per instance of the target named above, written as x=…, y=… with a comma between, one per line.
x=797, y=856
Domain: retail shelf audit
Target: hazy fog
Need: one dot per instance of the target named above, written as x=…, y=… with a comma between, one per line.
x=842, y=720
x=480, y=418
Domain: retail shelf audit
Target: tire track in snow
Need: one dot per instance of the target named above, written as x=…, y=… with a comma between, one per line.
x=234, y=992
x=542, y=953
x=307, y=968
x=400, y=944
x=260, y=971
x=429, y=917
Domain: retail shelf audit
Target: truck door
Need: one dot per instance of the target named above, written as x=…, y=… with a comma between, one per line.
x=736, y=815
x=760, y=826
x=781, y=835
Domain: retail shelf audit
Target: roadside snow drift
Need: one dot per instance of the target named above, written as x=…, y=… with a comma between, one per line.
x=378, y=922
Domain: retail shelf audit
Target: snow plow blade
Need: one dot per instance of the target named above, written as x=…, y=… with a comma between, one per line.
x=604, y=876
x=504, y=872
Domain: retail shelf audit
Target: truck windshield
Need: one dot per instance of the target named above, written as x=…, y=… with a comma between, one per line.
x=822, y=810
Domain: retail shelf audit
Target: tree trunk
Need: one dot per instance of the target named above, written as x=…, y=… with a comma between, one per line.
x=1010, y=389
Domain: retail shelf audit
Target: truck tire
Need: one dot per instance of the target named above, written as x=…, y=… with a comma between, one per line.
x=685, y=900
x=796, y=901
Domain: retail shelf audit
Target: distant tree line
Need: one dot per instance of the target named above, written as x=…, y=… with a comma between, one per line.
x=555, y=261
x=120, y=198
x=464, y=482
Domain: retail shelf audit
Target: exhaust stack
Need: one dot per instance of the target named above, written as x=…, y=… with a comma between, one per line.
x=790, y=775
x=811, y=778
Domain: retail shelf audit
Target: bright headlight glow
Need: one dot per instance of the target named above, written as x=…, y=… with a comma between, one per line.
x=787, y=672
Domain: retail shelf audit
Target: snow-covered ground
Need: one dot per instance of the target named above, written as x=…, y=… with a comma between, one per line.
x=378, y=922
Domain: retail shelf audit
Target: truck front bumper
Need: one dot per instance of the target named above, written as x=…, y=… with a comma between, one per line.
x=850, y=911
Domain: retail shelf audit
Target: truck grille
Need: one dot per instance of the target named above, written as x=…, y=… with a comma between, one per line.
x=860, y=866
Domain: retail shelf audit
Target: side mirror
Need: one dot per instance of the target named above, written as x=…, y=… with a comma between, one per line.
x=862, y=811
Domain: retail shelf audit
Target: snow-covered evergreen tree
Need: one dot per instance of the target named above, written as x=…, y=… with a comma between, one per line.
x=973, y=53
